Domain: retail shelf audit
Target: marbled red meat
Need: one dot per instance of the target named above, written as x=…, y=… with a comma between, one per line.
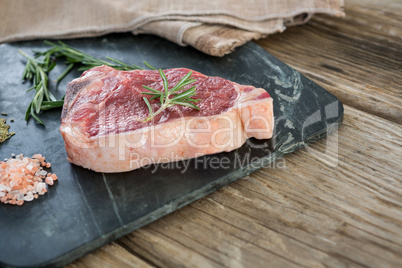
x=103, y=127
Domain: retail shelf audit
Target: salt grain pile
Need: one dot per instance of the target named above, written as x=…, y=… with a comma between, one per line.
x=23, y=179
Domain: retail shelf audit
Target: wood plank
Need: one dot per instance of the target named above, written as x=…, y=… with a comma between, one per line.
x=111, y=255
x=337, y=203
x=197, y=245
x=358, y=58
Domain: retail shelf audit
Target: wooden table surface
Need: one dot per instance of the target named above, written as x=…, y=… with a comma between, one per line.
x=336, y=203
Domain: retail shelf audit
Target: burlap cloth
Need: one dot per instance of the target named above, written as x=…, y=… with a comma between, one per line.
x=214, y=27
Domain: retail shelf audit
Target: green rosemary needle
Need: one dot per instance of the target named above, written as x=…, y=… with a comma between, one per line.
x=183, y=98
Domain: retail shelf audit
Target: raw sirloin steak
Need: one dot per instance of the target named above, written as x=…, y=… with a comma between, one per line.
x=103, y=119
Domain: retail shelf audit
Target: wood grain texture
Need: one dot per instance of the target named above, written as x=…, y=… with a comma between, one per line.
x=336, y=203
x=112, y=255
x=358, y=58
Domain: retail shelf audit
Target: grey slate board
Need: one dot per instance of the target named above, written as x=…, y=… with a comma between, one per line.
x=85, y=210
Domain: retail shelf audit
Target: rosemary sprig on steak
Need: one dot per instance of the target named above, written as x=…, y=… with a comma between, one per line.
x=183, y=98
x=38, y=67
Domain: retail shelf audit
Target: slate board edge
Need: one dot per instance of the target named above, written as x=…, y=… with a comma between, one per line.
x=183, y=201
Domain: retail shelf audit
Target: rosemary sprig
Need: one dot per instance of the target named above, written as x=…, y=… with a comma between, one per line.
x=183, y=98
x=38, y=67
x=37, y=70
x=86, y=61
